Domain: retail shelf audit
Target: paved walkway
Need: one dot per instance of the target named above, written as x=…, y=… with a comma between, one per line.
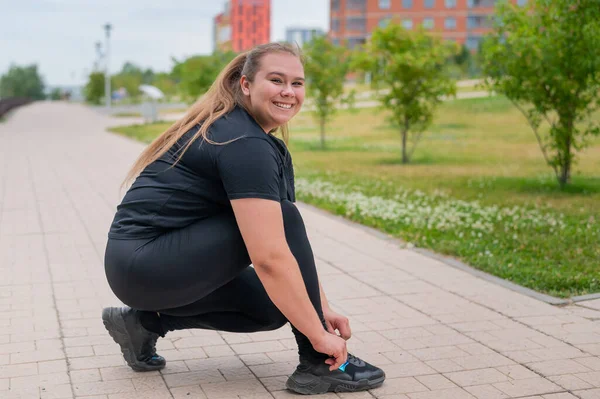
x=438, y=331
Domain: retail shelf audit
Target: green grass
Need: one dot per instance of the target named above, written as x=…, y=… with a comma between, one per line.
x=477, y=167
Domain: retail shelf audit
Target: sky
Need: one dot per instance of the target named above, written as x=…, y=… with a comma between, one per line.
x=60, y=35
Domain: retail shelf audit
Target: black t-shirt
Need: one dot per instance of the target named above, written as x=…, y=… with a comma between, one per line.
x=208, y=176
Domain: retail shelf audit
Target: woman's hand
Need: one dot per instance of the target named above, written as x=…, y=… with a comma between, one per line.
x=332, y=345
x=335, y=321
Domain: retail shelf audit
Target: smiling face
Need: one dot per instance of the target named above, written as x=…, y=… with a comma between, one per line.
x=276, y=93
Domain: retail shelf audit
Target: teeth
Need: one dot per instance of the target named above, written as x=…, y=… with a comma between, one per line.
x=281, y=105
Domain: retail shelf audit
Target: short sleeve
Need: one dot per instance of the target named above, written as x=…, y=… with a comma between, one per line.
x=248, y=168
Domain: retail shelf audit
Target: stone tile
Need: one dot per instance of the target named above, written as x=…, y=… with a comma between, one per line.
x=528, y=387
x=435, y=382
x=486, y=391
x=592, y=378
x=588, y=394
x=188, y=392
x=558, y=367
x=394, y=386
x=218, y=350
x=103, y=387
x=592, y=362
x=444, y=365
x=570, y=382
x=407, y=369
x=517, y=372
x=562, y=395
x=442, y=352
x=274, y=369
x=482, y=361
x=476, y=377
x=257, y=347
x=274, y=383
x=452, y=393
x=233, y=389
x=88, y=375
x=193, y=377
x=162, y=393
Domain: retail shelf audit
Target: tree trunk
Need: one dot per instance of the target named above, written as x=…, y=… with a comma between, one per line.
x=567, y=159
x=405, y=158
x=322, y=125
x=404, y=149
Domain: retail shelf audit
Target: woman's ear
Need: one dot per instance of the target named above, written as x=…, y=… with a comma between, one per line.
x=245, y=84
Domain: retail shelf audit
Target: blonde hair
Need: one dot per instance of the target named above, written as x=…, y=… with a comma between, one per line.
x=224, y=94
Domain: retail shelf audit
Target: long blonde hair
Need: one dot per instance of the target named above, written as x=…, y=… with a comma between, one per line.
x=224, y=94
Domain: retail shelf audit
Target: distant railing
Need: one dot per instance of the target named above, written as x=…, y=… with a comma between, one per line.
x=7, y=104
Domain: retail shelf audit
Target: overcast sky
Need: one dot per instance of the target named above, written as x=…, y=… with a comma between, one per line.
x=60, y=35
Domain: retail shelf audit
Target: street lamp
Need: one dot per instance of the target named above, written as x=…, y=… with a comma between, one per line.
x=107, y=28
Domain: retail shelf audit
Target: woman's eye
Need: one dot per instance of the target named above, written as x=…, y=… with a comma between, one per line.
x=276, y=80
x=298, y=84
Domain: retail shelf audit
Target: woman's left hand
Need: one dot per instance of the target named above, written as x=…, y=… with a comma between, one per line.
x=335, y=321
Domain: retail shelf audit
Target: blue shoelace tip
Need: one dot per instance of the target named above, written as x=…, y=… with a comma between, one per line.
x=343, y=367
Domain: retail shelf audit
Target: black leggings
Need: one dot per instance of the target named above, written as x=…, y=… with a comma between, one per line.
x=200, y=277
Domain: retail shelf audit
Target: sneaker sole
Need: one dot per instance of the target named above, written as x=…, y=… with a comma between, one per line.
x=115, y=325
x=310, y=384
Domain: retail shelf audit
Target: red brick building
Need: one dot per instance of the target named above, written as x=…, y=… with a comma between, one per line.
x=249, y=24
x=465, y=21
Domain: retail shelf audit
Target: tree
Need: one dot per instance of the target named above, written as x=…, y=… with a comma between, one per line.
x=326, y=66
x=56, y=94
x=22, y=82
x=545, y=59
x=94, y=89
x=411, y=66
x=197, y=73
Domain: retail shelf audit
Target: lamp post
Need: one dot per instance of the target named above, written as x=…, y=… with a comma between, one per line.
x=107, y=28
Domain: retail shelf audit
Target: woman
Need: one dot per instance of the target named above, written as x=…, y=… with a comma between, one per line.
x=214, y=194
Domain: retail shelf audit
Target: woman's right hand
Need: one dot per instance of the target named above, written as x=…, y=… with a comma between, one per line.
x=332, y=345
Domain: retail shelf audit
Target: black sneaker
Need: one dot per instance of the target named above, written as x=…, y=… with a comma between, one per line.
x=311, y=378
x=138, y=345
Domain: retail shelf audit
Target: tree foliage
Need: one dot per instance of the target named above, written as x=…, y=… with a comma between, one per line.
x=326, y=66
x=546, y=59
x=22, y=81
x=94, y=89
x=411, y=65
x=196, y=74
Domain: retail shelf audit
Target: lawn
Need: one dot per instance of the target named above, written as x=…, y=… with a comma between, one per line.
x=478, y=189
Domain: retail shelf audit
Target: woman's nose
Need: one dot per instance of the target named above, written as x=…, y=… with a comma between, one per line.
x=288, y=92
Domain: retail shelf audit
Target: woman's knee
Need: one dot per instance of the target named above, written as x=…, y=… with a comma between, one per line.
x=275, y=320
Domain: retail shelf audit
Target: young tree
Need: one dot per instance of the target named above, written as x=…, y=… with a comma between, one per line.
x=545, y=58
x=94, y=89
x=411, y=65
x=326, y=66
x=197, y=73
x=22, y=82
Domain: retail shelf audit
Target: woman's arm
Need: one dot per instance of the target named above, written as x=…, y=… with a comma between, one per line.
x=261, y=225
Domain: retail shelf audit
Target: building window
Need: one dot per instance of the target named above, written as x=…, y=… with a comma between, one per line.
x=356, y=23
x=355, y=41
x=407, y=24
x=479, y=21
x=240, y=26
x=473, y=43
x=335, y=25
x=522, y=2
x=480, y=3
x=356, y=4
x=407, y=3
x=429, y=3
x=385, y=21
x=385, y=4
x=335, y=5
x=428, y=23
x=450, y=23
x=450, y=3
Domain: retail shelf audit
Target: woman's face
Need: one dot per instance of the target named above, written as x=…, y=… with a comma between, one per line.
x=277, y=92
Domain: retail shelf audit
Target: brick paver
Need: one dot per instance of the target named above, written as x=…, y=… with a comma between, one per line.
x=437, y=331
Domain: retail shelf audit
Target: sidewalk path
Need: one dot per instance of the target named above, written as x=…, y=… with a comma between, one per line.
x=438, y=332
